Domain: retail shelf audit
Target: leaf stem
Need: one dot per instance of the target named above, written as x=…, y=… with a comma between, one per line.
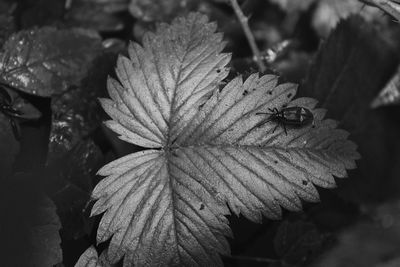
x=249, y=35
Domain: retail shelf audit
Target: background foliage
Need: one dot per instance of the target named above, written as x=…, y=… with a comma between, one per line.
x=57, y=54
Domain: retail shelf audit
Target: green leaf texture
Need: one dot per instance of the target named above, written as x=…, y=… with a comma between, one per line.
x=209, y=154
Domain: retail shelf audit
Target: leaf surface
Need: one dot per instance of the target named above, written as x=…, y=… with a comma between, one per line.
x=89, y=258
x=167, y=206
x=46, y=61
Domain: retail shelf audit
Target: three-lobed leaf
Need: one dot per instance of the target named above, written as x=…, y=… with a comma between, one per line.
x=209, y=154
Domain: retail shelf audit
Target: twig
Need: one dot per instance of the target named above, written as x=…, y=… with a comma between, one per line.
x=253, y=259
x=391, y=7
x=249, y=35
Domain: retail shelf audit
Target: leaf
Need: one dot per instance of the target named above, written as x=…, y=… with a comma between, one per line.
x=76, y=112
x=69, y=183
x=291, y=6
x=47, y=61
x=7, y=27
x=96, y=14
x=390, y=94
x=345, y=82
x=38, y=13
x=332, y=79
x=45, y=239
x=295, y=241
x=89, y=258
x=167, y=206
x=30, y=227
x=377, y=244
x=153, y=10
x=328, y=13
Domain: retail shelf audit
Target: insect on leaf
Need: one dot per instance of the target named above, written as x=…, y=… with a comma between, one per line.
x=209, y=153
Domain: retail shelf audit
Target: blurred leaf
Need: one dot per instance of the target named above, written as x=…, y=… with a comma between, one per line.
x=345, y=80
x=40, y=13
x=47, y=61
x=7, y=27
x=296, y=241
x=386, y=214
x=30, y=226
x=329, y=12
x=76, y=112
x=69, y=182
x=155, y=10
x=293, y=66
x=390, y=94
x=293, y=5
x=9, y=146
x=45, y=238
x=212, y=154
x=368, y=243
x=96, y=14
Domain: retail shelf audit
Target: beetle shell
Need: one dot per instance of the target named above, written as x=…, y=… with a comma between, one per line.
x=294, y=116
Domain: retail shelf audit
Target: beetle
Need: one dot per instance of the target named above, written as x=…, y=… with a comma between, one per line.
x=294, y=116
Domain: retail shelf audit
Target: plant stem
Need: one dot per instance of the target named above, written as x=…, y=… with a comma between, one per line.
x=249, y=35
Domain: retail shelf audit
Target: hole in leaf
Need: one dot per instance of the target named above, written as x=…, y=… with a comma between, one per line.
x=289, y=95
x=305, y=182
x=218, y=70
x=275, y=161
x=270, y=92
x=245, y=92
x=202, y=206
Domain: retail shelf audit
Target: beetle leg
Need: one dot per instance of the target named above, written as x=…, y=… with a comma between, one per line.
x=284, y=128
x=275, y=127
x=261, y=123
